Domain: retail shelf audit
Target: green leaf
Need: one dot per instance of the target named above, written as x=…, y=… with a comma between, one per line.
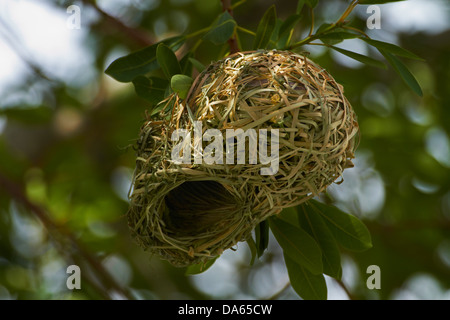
x=312, y=3
x=307, y=285
x=181, y=84
x=167, y=60
x=303, y=217
x=125, y=69
x=391, y=48
x=323, y=28
x=336, y=37
x=377, y=1
x=290, y=215
x=186, y=64
x=262, y=237
x=197, y=64
x=253, y=250
x=199, y=267
x=274, y=37
x=348, y=230
x=361, y=58
x=297, y=244
x=265, y=28
x=288, y=25
x=300, y=5
x=152, y=89
x=403, y=71
x=312, y=223
x=222, y=30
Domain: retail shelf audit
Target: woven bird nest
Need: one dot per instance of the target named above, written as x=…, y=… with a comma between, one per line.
x=189, y=212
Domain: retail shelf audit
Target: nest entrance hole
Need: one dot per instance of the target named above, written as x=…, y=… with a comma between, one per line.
x=199, y=206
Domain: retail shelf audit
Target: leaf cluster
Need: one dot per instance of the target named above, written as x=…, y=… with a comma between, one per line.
x=311, y=234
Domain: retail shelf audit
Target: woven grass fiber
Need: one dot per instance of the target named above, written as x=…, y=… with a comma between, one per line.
x=190, y=213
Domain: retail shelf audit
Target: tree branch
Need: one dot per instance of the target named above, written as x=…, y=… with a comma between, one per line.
x=232, y=42
x=347, y=291
x=338, y=24
x=139, y=36
x=17, y=193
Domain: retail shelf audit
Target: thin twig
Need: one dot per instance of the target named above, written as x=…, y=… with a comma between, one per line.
x=356, y=30
x=17, y=193
x=198, y=32
x=138, y=35
x=246, y=31
x=311, y=30
x=349, y=9
x=237, y=4
x=232, y=42
x=338, y=24
x=347, y=291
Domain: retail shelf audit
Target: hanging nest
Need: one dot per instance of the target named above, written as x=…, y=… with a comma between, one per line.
x=190, y=212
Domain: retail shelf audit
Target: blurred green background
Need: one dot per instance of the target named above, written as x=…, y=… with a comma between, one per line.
x=66, y=161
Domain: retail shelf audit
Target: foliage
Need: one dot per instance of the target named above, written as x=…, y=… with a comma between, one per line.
x=302, y=253
x=61, y=201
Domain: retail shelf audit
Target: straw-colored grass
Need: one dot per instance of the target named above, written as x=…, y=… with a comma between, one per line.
x=219, y=204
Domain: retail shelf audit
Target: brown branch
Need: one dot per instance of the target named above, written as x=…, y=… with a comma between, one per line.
x=232, y=42
x=349, y=9
x=347, y=291
x=17, y=193
x=138, y=35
